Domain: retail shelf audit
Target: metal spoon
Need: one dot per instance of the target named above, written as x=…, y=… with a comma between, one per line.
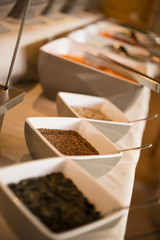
x=134, y=148
x=137, y=148
x=150, y=203
x=145, y=119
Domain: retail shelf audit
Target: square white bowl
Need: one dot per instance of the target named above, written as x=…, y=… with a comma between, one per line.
x=25, y=224
x=114, y=129
x=96, y=165
x=57, y=73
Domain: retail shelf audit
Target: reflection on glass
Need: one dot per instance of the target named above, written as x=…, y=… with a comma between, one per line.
x=5, y=8
x=35, y=9
x=75, y=6
x=53, y=9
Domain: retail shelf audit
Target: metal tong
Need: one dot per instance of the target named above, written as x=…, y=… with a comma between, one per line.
x=137, y=76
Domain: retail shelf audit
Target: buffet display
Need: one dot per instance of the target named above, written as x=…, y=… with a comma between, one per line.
x=78, y=147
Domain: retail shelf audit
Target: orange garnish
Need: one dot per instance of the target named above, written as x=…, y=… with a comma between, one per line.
x=104, y=69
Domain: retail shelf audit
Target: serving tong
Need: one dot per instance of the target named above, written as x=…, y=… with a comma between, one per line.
x=102, y=60
x=11, y=96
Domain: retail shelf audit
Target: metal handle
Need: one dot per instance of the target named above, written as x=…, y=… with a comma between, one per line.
x=133, y=148
x=141, y=78
x=145, y=119
x=17, y=43
x=137, y=148
x=9, y=98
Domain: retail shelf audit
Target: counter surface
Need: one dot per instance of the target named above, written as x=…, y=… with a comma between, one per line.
x=119, y=181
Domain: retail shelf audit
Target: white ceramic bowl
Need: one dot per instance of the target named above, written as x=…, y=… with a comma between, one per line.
x=57, y=73
x=40, y=147
x=146, y=67
x=90, y=36
x=25, y=224
x=112, y=28
x=114, y=129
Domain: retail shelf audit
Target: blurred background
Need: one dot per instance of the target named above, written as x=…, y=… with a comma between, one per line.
x=144, y=14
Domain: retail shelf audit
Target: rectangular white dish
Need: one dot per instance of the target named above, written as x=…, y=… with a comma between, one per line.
x=91, y=35
x=112, y=28
x=114, y=129
x=96, y=165
x=57, y=73
x=25, y=224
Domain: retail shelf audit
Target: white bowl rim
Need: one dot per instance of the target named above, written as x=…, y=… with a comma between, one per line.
x=83, y=157
x=60, y=94
x=45, y=49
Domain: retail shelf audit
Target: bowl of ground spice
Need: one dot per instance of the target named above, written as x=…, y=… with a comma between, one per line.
x=39, y=200
x=74, y=138
x=100, y=112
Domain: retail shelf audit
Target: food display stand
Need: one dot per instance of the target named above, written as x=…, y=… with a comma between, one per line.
x=119, y=181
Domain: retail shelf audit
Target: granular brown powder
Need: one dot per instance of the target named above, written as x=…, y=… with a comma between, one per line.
x=68, y=142
x=91, y=113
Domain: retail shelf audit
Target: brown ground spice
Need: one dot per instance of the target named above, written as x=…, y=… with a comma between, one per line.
x=68, y=142
x=91, y=113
